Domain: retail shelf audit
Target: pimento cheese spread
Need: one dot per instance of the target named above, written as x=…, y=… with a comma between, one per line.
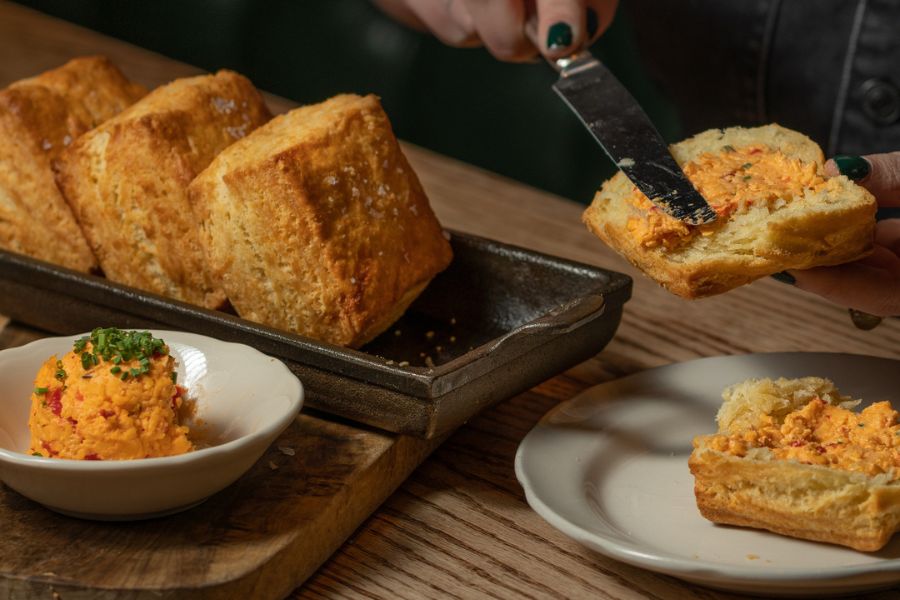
x=732, y=181
x=822, y=434
x=114, y=396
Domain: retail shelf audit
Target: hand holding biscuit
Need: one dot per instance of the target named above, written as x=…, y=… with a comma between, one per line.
x=873, y=283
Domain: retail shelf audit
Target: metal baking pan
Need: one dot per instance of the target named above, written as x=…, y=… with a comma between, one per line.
x=498, y=321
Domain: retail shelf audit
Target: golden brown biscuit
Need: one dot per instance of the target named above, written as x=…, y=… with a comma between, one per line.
x=775, y=209
x=315, y=223
x=39, y=118
x=791, y=457
x=126, y=181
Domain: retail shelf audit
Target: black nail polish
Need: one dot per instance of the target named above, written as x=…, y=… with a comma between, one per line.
x=855, y=167
x=593, y=23
x=559, y=36
x=784, y=277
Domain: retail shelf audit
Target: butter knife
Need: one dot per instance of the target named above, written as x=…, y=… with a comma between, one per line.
x=628, y=137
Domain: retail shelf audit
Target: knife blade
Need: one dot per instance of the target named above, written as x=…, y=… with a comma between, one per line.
x=628, y=137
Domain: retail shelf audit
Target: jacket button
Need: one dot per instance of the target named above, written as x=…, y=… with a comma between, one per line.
x=881, y=101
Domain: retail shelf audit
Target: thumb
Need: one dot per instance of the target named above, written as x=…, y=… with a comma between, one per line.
x=878, y=173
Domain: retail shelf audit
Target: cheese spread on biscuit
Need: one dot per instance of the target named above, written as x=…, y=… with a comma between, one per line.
x=732, y=181
x=822, y=434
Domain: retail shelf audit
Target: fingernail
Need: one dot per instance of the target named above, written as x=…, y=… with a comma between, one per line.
x=559, y=36
x=784, y=277
x=593, y=23
x=856, y=168
x=863, y=320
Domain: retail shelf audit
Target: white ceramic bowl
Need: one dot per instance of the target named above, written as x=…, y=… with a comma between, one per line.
x=245, y=398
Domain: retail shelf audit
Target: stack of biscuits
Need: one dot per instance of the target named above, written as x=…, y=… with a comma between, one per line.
x=312, y=222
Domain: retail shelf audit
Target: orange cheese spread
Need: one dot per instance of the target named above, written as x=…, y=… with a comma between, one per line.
x=112, y=397
x=822, y=434
x=732, y=181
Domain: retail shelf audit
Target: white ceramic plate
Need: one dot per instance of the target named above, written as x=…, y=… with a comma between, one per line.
x=609, y=469
x=245, y=399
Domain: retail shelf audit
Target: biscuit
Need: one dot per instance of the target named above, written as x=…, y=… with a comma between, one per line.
x=776, y=211
x=316, y=224
x=791, y=457
x=39, y=118
x=126, y=181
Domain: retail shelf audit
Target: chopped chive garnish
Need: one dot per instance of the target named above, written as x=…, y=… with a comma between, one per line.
x=117, y=347
x=60, y=372
x=746, y=165
x=41, y=390
x=728, y=148
x=37, y=454
x=175, y=380
x=747, y=177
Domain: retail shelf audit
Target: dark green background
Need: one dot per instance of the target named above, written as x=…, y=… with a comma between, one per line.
x=462, y=103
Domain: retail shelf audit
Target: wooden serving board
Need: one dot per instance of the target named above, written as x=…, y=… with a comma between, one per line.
x=259, y=538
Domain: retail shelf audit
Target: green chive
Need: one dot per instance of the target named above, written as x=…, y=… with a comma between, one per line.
x=41, y=390
x=746, y=165
x=728, y=148
x=115, y=370
x=37, y=454
x=175, y=380
x=747, y=177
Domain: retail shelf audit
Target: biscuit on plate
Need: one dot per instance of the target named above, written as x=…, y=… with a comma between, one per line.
x=126, y=181
x=39, y=118
x=316, y=224
x=791, y=456
x=775, y=208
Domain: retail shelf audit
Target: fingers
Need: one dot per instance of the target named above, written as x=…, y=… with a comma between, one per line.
x=564, y=26
x=501, y=26
x=878, y=173
x=887, y=235
x=448, y=20
x=561, y=26
x=872, y=285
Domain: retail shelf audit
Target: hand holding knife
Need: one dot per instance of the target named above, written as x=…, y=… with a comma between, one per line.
x=626, y=134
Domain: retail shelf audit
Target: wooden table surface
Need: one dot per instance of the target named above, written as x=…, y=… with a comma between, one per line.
x=459, y=526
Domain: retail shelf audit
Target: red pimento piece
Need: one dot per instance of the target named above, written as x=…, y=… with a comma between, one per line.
x=79, y=396
x=46, y=446
x=92, y=456
x=72, y=421
x=54, y=401
x=796, y=443
x=179, y=392
x=107, y=413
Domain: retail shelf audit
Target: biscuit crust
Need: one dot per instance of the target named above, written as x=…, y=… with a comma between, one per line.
x=39, y=118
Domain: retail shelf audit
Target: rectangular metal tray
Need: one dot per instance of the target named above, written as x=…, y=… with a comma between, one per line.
x=498, y=321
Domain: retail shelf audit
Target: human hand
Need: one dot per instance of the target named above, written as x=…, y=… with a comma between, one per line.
x=872, y=284
x=500, y=25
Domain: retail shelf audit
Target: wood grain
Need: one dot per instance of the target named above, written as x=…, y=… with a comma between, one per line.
x=459, y=526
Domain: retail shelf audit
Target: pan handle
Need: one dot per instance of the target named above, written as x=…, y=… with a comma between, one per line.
x=560, y=320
